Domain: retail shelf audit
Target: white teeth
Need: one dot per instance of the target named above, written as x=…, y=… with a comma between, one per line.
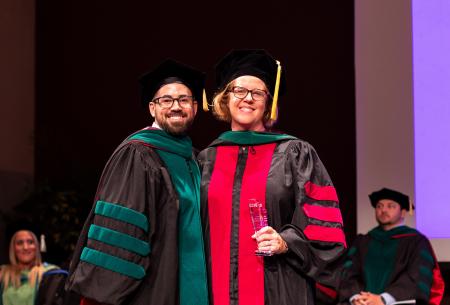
x=176, y=117
x=246, y=109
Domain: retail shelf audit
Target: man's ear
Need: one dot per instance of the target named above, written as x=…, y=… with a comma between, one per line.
x=403, y=213
x=195, y=105
x=151, y=108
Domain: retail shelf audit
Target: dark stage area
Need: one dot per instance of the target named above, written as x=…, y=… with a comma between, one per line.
x=89, y=57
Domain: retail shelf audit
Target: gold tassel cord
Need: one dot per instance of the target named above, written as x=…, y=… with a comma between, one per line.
x=205, y=101
x=273, y=114
x=43, y=245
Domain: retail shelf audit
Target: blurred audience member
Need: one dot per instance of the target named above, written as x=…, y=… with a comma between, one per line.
x=21, y=281
x=393, y=262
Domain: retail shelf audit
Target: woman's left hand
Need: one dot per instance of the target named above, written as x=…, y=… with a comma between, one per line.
x=269, y=240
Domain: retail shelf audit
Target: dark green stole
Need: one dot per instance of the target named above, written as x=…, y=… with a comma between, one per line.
x=253, y=137
x=176, y=153
x=380, y=258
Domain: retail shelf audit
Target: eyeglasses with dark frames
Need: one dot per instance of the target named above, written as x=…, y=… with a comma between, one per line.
x=241, y=92
x=166, y=101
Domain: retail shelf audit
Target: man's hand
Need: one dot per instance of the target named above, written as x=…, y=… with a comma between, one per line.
x=367, y=298
x=357, y=300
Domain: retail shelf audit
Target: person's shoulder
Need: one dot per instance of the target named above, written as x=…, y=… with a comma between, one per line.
x=408, y=232
x=412, y=238
x=48, y=266
x=132, y=155
x=361, y=236
x=131, y=146
x=296, y=145
x=51, y=270
x=210, y=148
x=56, y=272
x=414, y=231
x=419, y=236
x=130, y=141
x=291, y=140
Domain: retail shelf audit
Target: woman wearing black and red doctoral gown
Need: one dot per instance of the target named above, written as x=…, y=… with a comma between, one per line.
x=284, y=174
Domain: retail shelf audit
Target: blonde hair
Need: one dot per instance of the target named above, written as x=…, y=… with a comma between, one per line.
x=221, y=109
x=10, y=274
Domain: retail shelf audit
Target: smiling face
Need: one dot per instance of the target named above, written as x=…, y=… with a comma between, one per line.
x=174, y=120
x=25, y=248
x=247, y=113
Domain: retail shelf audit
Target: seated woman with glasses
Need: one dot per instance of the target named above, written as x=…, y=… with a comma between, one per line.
x=270, y=212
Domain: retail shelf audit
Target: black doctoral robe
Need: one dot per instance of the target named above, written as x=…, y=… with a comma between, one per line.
x=287, y=177
x=400, y=262
x=129, y=250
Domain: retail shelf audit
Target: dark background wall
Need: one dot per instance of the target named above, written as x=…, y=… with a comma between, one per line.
x=17, y=68
x=90, y=54
x=89, y=57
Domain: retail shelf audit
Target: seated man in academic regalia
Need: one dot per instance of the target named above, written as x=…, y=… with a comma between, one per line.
x=393, y=262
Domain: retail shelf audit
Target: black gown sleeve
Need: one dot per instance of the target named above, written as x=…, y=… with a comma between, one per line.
x=315, y=236
x=352, y=281
x=416, y=281
x=416, y=274
x=113, y=253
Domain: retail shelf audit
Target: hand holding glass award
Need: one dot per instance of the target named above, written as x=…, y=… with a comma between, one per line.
x=258, y=216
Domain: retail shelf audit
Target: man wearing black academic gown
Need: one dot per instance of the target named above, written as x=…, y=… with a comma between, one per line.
x=142, y=242
x=392, y=262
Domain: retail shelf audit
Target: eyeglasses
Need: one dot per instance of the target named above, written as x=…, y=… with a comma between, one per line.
x=166, y=101
x=241, y=92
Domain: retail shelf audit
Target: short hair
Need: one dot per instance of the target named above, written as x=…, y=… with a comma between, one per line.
x=221, y=109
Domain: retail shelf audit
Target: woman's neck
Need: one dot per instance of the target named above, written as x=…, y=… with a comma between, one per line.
x=259, y=128
x=25, y=266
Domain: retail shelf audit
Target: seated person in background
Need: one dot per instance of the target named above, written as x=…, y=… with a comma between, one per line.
x=51, y=289
x=393, y=262
x=20, y=279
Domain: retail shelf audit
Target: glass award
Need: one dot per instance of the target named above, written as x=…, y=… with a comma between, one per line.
x=258, y=215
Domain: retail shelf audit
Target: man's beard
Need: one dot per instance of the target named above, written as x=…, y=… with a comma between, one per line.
x=389, y=220
x=176, y=128
x=383, y=220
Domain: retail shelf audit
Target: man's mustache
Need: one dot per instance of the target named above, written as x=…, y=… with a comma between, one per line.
x=176, y=112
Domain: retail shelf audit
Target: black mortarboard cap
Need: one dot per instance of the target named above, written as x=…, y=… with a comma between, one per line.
x=386, y=193
x=254, y=62
x=25, y=224
x=151, y=81
x=21, y=224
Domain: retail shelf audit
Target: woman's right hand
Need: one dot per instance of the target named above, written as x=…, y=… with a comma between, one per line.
x=269, y=240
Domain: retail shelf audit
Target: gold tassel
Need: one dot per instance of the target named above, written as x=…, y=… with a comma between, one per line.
x=43, y=247
x=410, y=207
x=205, y=101
x=273, y=114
